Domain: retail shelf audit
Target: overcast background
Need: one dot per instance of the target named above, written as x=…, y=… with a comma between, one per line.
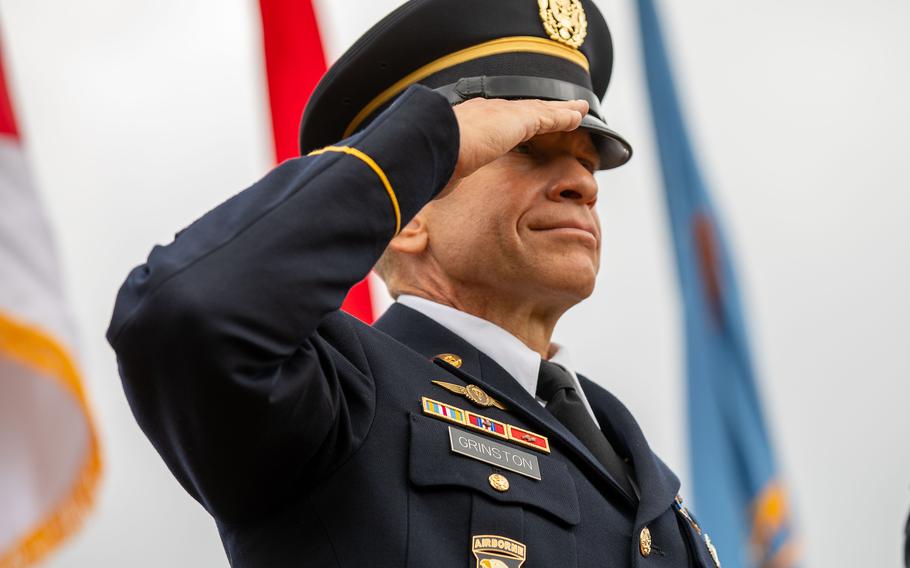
x=140, y=116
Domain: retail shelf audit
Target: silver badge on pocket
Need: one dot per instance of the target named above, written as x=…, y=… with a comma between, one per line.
x=491, y=452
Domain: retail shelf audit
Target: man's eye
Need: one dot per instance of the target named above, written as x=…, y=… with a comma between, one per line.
x=588, y=165
x=522, y=149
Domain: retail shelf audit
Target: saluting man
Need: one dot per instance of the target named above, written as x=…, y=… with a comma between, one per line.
x=453, y=147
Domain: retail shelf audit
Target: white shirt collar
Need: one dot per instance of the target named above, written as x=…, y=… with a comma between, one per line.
x=508, y=351
x=519, y=360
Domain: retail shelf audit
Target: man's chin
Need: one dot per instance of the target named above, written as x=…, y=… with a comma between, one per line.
x=568, y=280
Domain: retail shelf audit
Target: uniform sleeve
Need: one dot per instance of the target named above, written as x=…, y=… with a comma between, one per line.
x=216, y=334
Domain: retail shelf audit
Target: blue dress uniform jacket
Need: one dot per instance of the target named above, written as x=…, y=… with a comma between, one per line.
x=300, y=429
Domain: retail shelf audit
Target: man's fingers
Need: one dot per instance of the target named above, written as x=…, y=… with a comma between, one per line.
x=560, y=116
x=576, y=105
x=491, y=127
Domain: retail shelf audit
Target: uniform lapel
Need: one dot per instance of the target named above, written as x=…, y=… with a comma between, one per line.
x=431, y=339
x=427, y=337
x=658, y=485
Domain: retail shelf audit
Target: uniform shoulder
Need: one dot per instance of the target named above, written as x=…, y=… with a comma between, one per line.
x=344, y=333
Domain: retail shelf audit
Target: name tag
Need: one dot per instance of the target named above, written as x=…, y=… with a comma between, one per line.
x=486, y=450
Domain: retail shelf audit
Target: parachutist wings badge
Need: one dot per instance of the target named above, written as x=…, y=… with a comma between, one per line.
x=473, y=393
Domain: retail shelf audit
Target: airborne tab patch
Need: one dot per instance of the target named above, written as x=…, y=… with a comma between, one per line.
x=494, y=551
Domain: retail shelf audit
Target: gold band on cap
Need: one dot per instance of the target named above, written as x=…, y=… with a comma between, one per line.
x=516, y=44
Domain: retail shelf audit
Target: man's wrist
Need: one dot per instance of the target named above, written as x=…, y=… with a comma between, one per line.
x=416, y=141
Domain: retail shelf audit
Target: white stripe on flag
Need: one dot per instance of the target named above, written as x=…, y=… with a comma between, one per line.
x=31, y=284
x=49, y=459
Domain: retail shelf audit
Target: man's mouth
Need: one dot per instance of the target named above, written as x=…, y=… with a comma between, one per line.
x=570, y=229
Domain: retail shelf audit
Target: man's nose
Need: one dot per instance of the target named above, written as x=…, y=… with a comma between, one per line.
x=573, y=182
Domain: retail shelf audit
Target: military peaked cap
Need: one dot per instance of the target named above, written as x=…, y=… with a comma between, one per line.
x=510, y=49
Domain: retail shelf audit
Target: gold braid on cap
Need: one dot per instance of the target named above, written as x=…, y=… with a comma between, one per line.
x=516, y=44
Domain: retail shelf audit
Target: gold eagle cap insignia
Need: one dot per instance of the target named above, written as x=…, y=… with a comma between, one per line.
x=564, y=21
x=473, y=393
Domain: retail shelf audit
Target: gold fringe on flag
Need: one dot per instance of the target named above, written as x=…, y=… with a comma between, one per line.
x=37, y=350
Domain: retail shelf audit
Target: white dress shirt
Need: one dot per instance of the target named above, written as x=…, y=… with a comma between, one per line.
x=519, y=360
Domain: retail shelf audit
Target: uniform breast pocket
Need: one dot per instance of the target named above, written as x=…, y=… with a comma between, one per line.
x=478, y=511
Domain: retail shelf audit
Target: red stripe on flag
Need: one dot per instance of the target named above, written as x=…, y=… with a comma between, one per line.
x=294, y=63
x=359, y=303
x=7, y=119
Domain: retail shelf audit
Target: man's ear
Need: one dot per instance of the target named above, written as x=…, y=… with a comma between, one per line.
x=413, y=238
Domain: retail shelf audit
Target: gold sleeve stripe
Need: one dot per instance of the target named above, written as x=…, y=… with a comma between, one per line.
x=375, y=167
x=516, y=44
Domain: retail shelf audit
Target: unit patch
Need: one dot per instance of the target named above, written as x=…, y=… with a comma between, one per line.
x=494, y=551
x=492, y=452
x=485, y=424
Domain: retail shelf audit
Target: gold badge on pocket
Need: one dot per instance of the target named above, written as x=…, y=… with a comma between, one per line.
x=494, y=551
x=473, y=393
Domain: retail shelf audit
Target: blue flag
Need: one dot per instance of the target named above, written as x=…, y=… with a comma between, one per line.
x=739, y=496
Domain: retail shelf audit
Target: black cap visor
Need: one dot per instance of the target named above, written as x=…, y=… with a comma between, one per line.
x=614, y=149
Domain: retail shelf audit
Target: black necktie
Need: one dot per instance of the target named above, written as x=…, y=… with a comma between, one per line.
x=556, y=387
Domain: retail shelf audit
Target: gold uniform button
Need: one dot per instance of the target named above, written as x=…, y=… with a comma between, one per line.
x=451, y=359
x=644, y=542
x=499, y=482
